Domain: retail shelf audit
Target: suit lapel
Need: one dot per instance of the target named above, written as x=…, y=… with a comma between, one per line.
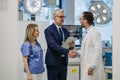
x=65, y=35
x=55, y=31
x=84, y=42
x=86, y=36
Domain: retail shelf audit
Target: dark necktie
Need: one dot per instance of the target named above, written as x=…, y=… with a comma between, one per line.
x=61, y=34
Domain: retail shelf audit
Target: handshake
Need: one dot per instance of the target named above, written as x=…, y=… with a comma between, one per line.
x=72, y=53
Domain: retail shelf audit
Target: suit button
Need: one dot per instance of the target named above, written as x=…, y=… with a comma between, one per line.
x=62, y=55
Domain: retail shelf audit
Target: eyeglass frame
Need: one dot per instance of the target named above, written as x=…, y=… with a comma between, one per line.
x=82, y=19
x=60, y=16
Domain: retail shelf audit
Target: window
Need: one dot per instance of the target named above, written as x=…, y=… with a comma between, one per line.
x=44, y=14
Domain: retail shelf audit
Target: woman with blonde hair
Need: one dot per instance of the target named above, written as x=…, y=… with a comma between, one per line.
x=32, y=54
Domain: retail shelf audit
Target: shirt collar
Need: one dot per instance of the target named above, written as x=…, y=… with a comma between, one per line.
x=88, y=29
x=58, y=26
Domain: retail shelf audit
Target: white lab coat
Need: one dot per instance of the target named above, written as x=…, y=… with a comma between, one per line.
x=91, y=55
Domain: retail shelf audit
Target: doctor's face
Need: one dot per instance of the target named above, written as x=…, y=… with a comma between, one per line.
x=83, y=21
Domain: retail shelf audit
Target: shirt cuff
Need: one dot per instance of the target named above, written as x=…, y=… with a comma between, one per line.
x=93, y=66
x=71, y=48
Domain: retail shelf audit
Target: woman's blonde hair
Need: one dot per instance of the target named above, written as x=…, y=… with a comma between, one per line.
x=29, y=33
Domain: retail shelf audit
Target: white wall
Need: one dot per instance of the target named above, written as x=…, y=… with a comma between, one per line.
x=8, y=40
x=116, y=40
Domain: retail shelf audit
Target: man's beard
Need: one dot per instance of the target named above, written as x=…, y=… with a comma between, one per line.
x=82, y=26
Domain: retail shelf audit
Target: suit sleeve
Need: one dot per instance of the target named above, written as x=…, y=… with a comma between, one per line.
x=52, y=44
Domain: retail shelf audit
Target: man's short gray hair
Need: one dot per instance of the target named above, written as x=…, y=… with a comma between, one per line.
x=56, y=12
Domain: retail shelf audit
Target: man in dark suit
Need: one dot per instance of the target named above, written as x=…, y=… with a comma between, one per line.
x=56, y=56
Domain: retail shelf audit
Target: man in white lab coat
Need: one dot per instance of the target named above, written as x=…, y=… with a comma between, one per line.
x=92, y=67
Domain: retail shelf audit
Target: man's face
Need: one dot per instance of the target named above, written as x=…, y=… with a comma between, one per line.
x=83, y=20
x=59, y=19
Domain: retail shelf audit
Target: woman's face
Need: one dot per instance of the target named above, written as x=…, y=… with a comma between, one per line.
x=36, y=32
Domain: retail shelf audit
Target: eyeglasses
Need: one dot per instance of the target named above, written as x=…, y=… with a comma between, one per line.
x=82, y=19
x=61, y=16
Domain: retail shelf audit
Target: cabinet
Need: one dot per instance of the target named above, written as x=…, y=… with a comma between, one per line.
x=73, y=69
x=107, y=53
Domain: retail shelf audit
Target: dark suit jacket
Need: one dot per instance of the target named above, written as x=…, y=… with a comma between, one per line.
x=54, y=50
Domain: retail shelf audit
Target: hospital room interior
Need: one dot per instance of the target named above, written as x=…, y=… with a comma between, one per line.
x=15, y=15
